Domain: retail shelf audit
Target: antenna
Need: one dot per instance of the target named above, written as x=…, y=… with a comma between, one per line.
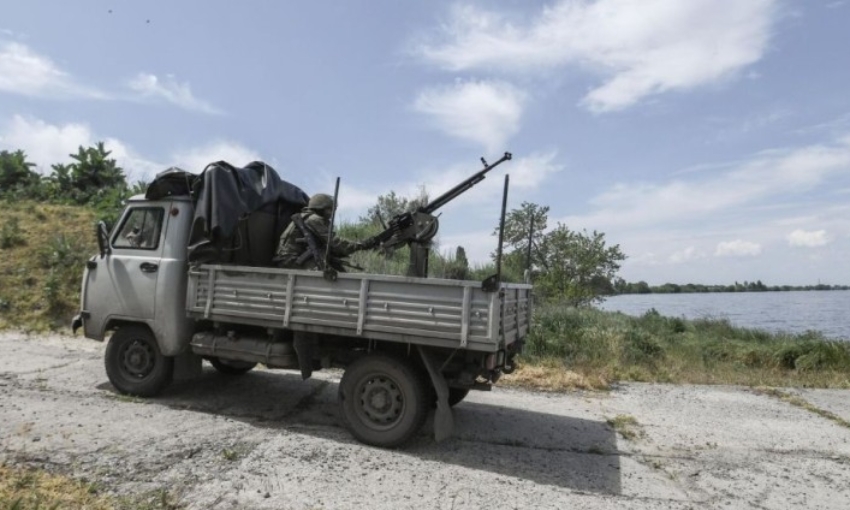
x=492, y=283
x=330, y=272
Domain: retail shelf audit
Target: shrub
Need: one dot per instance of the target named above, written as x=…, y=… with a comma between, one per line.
x=11, y=234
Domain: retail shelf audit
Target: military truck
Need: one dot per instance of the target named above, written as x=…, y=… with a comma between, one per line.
x=186, y=275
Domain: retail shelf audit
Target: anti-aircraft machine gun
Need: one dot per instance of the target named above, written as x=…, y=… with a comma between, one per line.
x=417, y=228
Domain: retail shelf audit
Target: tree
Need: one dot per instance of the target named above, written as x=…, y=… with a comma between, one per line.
x=458, y=267
x=93, y=178
x=577, y=267
x=525, y=229
x=16, y=174
x=392, y=205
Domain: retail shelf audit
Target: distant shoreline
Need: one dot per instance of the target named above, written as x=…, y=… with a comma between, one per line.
x=693, y=288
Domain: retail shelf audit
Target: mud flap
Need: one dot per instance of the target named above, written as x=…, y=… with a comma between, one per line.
x=444, y=422
x=304, y=344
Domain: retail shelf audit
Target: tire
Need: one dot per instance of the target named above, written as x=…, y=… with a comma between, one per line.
x=232, y=367
x=134, y=363
x=383, y=400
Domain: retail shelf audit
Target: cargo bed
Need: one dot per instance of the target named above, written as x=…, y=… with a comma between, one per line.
x=431, y=312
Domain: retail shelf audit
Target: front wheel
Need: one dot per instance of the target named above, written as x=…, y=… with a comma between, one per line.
x=383, y=400
x=134, y=363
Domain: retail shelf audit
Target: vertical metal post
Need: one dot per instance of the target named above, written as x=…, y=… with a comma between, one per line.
x=493, y=283
x=330, y=272
x=528, y=251
x=502, y=230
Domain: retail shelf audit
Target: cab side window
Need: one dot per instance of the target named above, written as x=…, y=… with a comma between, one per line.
x=141, y=229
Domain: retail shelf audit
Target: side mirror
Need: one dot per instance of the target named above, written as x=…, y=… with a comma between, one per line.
x=103, y=239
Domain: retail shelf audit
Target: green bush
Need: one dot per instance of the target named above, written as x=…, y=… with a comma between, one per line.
x=657, y=348
x=11, y=234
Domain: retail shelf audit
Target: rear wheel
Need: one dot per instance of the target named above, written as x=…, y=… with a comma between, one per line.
x=134, y=363
x=232, y=367
x=383, y=400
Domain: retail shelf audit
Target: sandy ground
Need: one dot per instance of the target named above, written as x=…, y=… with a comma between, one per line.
x=269, y=440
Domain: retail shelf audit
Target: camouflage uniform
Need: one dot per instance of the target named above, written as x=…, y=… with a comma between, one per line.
x=292, y=245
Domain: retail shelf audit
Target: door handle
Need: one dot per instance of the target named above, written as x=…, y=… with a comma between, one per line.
x=147, y=267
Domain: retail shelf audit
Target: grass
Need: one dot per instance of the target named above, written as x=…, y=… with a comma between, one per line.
x=43, y=249
x=35, y=489
x=31, y=489
x=591, y=349
x=803, y=404
x=627, y=426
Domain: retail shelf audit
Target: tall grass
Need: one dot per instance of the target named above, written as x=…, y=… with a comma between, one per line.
x=611, y=346
x=41, y=272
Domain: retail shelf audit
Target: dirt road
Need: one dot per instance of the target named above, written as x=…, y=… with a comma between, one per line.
x=269, y=440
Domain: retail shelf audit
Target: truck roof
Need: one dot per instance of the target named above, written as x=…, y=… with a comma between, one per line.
x=141, y=198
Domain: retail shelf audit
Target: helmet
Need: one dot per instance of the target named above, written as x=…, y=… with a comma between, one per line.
x=321, y=201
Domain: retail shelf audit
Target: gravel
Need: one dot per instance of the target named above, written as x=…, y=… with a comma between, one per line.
x=268, y=440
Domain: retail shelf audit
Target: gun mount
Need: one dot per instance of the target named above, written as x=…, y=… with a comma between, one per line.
x=417, y=228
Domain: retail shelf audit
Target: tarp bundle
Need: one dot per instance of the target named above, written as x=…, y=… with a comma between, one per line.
x=239, y=212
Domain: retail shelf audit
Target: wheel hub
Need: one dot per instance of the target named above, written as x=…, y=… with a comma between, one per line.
x=381, y=402
x=138, y=359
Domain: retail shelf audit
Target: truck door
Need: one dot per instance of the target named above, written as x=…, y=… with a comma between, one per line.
x=122, y=284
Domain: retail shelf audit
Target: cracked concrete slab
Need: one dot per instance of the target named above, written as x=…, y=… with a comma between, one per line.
x=269, y=440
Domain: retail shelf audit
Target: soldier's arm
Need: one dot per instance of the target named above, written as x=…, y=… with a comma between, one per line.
x=339, y=247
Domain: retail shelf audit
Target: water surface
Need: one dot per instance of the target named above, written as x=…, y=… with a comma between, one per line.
x=794, y=311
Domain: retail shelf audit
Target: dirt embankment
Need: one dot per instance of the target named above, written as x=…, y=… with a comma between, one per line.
x=269, y=440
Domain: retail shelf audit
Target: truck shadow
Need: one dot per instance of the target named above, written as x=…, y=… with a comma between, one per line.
x=575, y=453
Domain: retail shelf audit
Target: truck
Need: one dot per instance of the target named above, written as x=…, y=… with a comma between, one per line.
x=406, y=344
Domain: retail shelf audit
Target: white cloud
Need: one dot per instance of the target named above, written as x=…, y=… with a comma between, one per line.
x=766, y=176
x=682, y=256
x=809, y=239
x=25, y=72
x=641, y=47
x=195, y=159
x=46, y=144
x=737, y=248
x=170, y=90
x=484, y=112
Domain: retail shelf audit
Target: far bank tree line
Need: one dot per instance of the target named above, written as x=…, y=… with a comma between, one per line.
x=623, y=287
x=576, y=268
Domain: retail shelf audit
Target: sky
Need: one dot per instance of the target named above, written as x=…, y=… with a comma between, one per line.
x=709, y=139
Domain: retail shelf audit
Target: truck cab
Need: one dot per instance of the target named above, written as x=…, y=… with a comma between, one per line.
x=139, y=276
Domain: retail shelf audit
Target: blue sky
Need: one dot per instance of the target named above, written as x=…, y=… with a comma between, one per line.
x=709, y=138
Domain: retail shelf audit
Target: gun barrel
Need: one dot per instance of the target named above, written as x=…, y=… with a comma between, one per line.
x=463, y=186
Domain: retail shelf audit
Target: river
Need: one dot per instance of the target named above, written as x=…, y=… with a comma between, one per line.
x=794, y=311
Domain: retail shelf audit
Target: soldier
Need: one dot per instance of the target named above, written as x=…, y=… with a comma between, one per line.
x=294, y=251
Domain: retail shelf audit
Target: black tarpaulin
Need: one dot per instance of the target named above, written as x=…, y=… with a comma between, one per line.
x=171, y=182
x=240, y=213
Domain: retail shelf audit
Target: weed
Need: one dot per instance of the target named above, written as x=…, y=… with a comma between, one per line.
x=803, y=404
x=32, y=489
x=128, y=399
x=229, y=454
x=627, y=426
x=11, y=234
x=610, y=346
x=596, y=450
